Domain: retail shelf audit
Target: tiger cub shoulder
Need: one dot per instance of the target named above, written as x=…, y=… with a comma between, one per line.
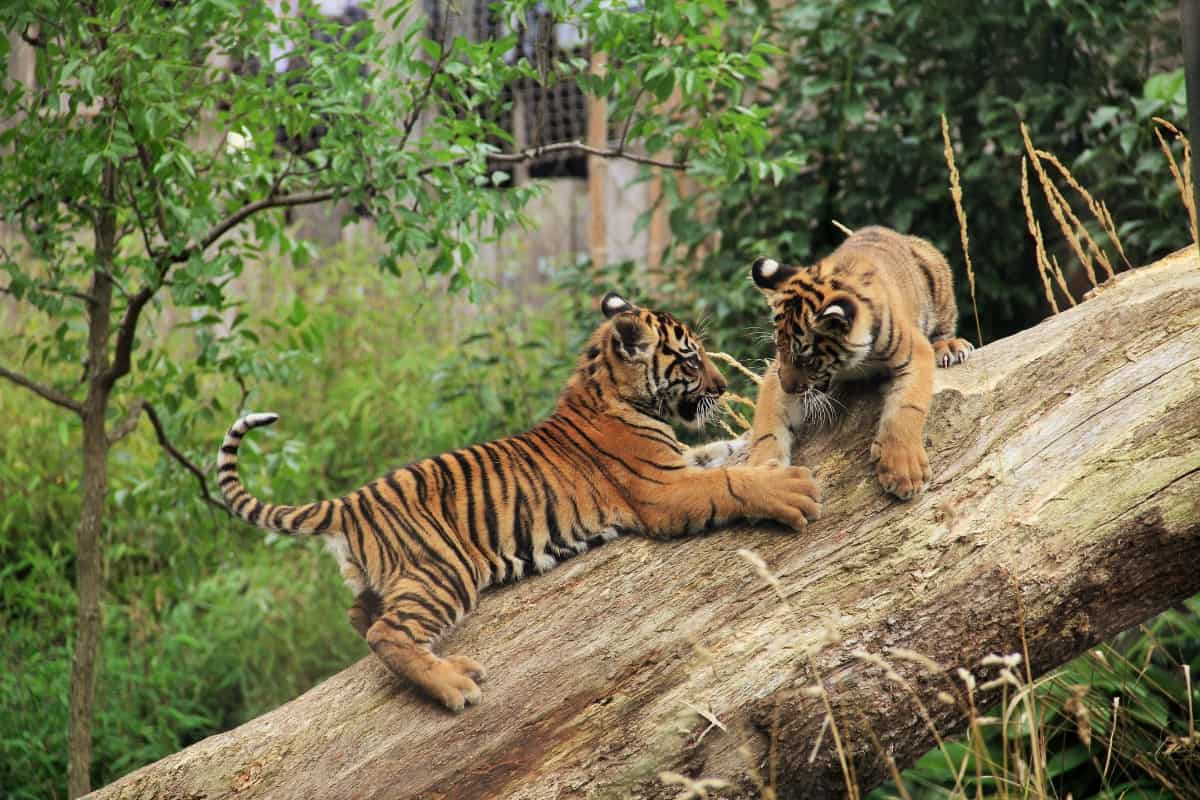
x=881, y=303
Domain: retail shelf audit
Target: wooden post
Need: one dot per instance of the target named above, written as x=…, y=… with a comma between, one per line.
x=597, y=136
x=659, y=232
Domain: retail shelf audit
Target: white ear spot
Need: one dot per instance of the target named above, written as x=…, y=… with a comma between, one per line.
x=613, y=303
x=768, y=268
x=834, y=310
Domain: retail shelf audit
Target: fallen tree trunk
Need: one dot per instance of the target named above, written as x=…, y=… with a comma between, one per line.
x=1065, y=504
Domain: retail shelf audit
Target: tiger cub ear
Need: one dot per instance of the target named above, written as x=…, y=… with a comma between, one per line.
x=768, y=273
x=631, y=339
x=614, y=304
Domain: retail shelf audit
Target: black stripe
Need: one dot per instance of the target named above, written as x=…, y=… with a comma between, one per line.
x=417, y=540
x=365, y=515
x=729, y=486
x=429, y=602
x=437, y=527
x=231, y=449
x=606, y=453
x=490, y=522
x=473, y=531
x=522, y=522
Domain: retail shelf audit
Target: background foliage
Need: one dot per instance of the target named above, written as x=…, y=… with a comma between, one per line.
x=209, y=624
x=859, y=92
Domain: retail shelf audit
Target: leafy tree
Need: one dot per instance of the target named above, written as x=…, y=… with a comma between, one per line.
x=148, y=164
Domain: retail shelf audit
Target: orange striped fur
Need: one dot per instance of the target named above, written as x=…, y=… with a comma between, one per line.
x=881, y=304
x=419, y=544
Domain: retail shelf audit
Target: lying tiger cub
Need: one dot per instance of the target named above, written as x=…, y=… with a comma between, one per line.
x=419, y=544
x=883, y=302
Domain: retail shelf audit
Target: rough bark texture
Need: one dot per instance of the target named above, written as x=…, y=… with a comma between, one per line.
x=88, y=564
x=1066, y=499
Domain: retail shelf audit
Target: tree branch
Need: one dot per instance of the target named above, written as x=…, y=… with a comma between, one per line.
x=580, y=147
x=45, y=392
x=54, y=289
x=131, y=420
x=183, y=460
x=124, y=347
x=249, y=210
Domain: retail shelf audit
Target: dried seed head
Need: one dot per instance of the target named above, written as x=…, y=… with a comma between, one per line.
x=760, y=567
x=931, y=666
x=1011, y=660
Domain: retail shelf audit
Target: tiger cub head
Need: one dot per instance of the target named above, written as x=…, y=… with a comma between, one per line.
x=657, y=364
x=821, y=329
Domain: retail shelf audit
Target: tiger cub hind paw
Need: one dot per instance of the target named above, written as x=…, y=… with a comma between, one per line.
x=452, y=682
x=902, y=469
x=948, y=352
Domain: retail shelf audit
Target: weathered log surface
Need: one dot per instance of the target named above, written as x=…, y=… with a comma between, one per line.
x=1066, y=473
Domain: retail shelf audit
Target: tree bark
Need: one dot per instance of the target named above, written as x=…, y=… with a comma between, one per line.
x=1065, y=508
x=88, y=562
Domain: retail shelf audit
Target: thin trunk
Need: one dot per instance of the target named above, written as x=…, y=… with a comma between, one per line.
x=88, y=567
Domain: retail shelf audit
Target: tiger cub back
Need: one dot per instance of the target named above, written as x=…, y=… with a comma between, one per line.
x=882, y=303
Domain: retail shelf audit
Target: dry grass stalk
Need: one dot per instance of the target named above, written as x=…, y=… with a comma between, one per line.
x=891, y=674
x=734, y=414
x=1187, y=679
x=733, y=362
x=692, y=789
x=1098, y=209
x=957, y=194
x=842, y=228
x=1084, y=237
x=1056, y=209
x=1059, y=278
x=1183, y=177
x=893, y=770
x=737, y=398
x=1035, y=230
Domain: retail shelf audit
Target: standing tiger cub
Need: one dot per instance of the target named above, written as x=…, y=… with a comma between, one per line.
x=419, y=544
x=883, y=303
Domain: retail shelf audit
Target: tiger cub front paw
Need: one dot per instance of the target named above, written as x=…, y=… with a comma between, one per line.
x=902, y=467
x=948, y=352
x=453, y=681
x=790, y=495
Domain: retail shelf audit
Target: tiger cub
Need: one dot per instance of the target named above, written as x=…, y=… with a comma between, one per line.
x=419, y=544
x=883, y=303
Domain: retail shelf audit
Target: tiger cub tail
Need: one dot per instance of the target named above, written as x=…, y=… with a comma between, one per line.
x=306, y=519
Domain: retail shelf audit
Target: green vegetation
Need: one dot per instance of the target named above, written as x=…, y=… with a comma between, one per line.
x=858, y=98
x=207, y=623
x=1117, y=722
